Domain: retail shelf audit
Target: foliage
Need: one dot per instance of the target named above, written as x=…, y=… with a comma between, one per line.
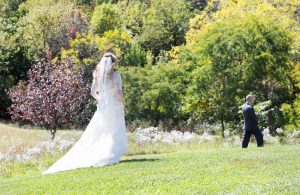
x=115, y=41
x=135, y=82
x=53, y=97
x=87, y=50
x=82, y=51
x=9, y=7
x=164, y=25
x=105, y=17
x=153, y=93
x=14, y=56
x=133, y=16
x=49, y=26
x=292, y=114
x=198, y=5
x=231, y=58
x=134, y=55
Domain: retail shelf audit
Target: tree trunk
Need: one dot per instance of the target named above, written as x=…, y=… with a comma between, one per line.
x=270, y=118
x=53, y=134
x=223, y=126
x=271, y=123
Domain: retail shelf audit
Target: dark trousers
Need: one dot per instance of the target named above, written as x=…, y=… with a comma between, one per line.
x=258, y=136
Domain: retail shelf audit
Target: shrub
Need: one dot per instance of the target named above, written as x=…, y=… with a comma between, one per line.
x=53, y=97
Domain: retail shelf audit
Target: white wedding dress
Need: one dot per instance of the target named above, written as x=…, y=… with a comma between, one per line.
x=104, y=140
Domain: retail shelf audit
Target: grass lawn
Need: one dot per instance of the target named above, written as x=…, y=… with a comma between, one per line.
x=269, y=170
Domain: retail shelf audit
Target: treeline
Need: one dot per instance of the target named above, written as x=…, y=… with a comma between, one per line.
x=183, y=63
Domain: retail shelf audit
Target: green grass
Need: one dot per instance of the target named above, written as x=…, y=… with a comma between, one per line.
x=207, y=168
x=11, y=134
x=268, y=170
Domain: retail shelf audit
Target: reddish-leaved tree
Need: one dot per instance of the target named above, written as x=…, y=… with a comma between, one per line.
x=54, y=96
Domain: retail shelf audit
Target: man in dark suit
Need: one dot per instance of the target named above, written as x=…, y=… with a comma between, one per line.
x=250, y=123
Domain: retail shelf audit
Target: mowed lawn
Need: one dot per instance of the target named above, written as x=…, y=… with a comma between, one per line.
x=269, y=170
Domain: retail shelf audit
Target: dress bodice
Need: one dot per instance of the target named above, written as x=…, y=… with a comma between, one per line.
x=108, y=95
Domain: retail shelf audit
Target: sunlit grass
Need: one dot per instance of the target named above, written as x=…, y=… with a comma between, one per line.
x=12, y=135
x=269, y=170
x=207, y=168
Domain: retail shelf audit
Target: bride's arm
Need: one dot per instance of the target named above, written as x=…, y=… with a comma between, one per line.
x=94, y=91
x=95, y=95
x=121, y=96
x=118, y=83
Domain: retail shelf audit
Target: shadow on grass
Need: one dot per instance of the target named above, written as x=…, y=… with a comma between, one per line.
x=139, y=160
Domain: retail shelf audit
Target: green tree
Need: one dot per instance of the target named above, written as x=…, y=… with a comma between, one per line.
x=134, y=55
x=105, y=17
x=134, y=13
x=9, y=7
x=291, y=110
x=14, y=57
x=232, y=58
x=47, y=27
x=153, y=93
x=165, y=25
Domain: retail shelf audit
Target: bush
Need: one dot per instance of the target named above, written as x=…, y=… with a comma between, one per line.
x=54, y=96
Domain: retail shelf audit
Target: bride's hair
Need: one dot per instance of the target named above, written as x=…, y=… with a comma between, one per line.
x=97, y=70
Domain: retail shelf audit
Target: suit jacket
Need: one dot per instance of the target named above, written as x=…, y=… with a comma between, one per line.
x=249, y=116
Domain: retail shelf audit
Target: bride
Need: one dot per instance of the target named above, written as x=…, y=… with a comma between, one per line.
x=104, y=140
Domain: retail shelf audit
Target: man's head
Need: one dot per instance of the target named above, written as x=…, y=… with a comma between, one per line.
x=250, y=99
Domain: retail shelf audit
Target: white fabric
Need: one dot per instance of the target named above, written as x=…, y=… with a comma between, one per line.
x=117, y=81
x=104, y=140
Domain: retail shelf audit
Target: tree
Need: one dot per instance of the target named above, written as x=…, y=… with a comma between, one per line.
x=115, y=41
x=48, y=26
x=134, y=13
x=162, y=99
x=87, y=50
x=153, y=93
x=164, y=25
x=134, y=55
x=291, y=110
x=105, y=17
x=292, y=114
x=14, y=56
x=198, y=5
x=53, y=97
x=231, y=58
x=9, y=7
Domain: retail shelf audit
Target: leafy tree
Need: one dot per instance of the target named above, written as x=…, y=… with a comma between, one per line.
x=164, y=25
x=134, y=55
x=53, y=97
x=162, y=99
x=9, y=7
x=198, y=5
x=291, y=110
x=115, y=41
x=292, y=114
x=87, y=50
x=134, y=13
x=153, y=93
x=50, y=26
x=135, y=82
x=84, y=53
x=233, y=58
x=105, y=17
x=14, y=57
